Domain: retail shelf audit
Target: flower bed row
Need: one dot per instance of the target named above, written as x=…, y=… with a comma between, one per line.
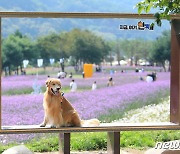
x=24, y=82
x=27, y=109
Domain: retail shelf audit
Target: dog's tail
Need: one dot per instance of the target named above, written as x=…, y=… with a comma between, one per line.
x=90, y=123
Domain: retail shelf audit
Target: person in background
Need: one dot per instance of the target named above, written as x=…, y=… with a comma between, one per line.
x=123, y=71
x=94, y=86
x=151, y=77
x=73, y=86
x=70, y=75
x=98, y=68
x=83, y=74
x=61, y=75
x=141, y=78
x=112, y=72
x=110, y=82
x=137, y=70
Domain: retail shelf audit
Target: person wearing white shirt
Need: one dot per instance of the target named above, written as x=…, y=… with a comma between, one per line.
x=149, y=79
x=94, y=86
x=73, y=86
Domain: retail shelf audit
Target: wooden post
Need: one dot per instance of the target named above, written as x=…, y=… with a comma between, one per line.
x=0, y=72
x=64, y=143
x=175, y=72
x=113, y=143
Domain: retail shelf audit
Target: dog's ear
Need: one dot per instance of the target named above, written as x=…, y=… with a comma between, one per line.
x=48, y=81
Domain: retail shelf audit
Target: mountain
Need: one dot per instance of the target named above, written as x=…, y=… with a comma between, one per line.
x=107, y=28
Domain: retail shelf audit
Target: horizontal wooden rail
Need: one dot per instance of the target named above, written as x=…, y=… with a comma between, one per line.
x=113, y=132
x=107, y=127
x=78, y=15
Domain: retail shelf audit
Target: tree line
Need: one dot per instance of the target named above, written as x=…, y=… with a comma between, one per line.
x=78, y=47
x=81, y=46
x=155, y=52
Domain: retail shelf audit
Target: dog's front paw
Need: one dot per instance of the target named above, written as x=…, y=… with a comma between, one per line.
x=52, y=126
x=59, y=126
x=42, y=125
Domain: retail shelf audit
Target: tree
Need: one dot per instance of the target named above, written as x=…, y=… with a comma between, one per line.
x=136, y=49
x=51, y=46
x=15, y=48
x=166, y=7
x=27, y=47
x=3, y=60
x=161, y=49
x=86, y=47
x=12, y=52
x=116, y=48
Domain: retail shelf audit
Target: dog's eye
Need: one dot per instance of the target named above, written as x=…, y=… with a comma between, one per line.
x=53, y=84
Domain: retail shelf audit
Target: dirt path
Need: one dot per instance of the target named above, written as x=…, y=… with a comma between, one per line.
x=124, y=151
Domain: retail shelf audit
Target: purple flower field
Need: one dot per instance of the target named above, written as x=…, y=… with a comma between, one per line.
x=28, y=110
x=22, y=82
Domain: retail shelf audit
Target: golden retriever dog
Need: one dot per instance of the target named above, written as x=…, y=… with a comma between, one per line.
x=58, y=110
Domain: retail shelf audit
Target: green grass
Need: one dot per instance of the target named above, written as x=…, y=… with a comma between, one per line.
x=18, y=91
x=98, y=141
x=5, y=147
x=115, y=114
x=43, y=89
x=44, y=144
x=146, y=139
x=50, y=70
x=21, y=91
x=130, y=68
x=88, y=141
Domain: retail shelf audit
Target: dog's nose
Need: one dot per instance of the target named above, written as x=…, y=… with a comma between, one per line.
x=58, y=88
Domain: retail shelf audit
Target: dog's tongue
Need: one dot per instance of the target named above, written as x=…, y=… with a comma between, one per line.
x=56, y=92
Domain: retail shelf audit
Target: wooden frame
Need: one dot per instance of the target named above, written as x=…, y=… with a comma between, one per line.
x=112, y=130
x=0, y=72
x=175, y=72
x=78, y=15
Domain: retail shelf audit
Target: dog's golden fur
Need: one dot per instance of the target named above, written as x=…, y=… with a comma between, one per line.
x=58, y=110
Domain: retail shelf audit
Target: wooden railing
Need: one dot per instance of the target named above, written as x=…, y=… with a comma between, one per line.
x=113, y=131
